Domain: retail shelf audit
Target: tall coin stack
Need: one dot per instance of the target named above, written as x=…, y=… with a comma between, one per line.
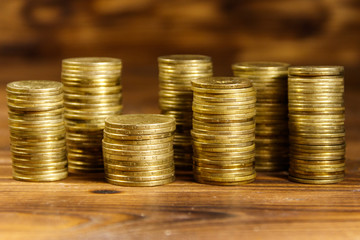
x=316, y=123
x=92, y=92
x=223, y=130
x=270, y=82
x=37, y=130
x=138, y=149
x=175, y=98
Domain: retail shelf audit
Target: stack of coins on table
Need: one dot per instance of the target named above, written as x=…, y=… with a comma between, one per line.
x=37, y=130
x=270, y=82
x=316, y=124
x=138, y=149
x=175, y=98
x=92, y=92
x=223, y=130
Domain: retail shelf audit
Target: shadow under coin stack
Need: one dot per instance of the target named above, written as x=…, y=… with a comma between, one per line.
x=223, y=130
x=316, y=123
x=37, y=131
x=138, y=149
x=92, y=92
x=175, y=98
x=270, y=82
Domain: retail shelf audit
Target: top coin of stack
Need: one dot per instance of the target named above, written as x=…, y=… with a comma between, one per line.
x=316, y=124
x=175, y=98
x=37, y=130
x=92, y=92
x=138, y=149
x=270, y=82
x=223, y=130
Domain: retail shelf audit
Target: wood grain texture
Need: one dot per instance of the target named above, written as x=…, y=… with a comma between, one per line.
x=85, y=207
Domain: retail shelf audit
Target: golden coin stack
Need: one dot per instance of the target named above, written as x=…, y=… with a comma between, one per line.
x=316, y=124
x=37, y=130
x=271, y=135
x=223, y=130
x=175, y=98
x=138, y=149
x=92, y=92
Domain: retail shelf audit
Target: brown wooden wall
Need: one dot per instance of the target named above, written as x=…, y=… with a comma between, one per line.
x=296, y=31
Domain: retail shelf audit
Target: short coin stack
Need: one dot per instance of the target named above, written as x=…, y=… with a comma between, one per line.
x=270, y=82
x=138, y=149
x=37, y=130
x=92, y=92
x=175, y=98
x=316, y=123
x=223, y=130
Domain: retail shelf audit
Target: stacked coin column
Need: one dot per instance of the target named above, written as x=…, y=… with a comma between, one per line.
x=223, y=130
x=138, y=149
x=92, y=92
x=175, y=98
x=270, y=82
x=37, y=130
x=316, y=123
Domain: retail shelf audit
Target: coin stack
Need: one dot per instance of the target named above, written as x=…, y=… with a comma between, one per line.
x=37, y=130
x=92, y=92
x=271, y=135
x=223, y=130
x=316, y=124
x=175, y=98
x=138, y=149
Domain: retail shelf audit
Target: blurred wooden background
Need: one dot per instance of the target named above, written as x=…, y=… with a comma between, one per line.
x=297, y=31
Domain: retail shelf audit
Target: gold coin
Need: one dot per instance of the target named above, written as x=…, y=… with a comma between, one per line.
x=34, y=86
x=40, y=177
x=99, y=91
x=140, y=121
x=320, y=148
x=246, y=91
x=138, y=178
x=223, y=118
x=221, y=83
x=315, y=181
x=141, y=132
x=134, y=165
x=224, y=155
x=336, y=79
x=135, y=157
x=205, y=181
x=317, y=177
x=318, y=167
x=145, y=173
x=136, y=152
x=137, y=137
x=84, y=170
x=140, y=184
x=226, y=179
x=136, y=147
x=160, y=141
x=223, y=100
x=258, y=67
x=213, y=127
x=84, y=62
x=240, y=95
x=187, y=59
x=316, y=70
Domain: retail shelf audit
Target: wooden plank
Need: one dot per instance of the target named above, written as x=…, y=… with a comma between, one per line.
x=85, y=207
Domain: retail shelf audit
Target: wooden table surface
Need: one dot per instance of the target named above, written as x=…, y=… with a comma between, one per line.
x=85, y=207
